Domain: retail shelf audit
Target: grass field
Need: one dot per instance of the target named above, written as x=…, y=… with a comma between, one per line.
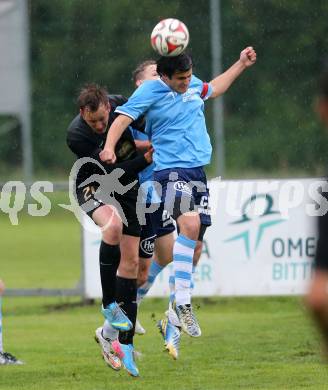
x=249, y=343
x=253, y=343
x=45, y=250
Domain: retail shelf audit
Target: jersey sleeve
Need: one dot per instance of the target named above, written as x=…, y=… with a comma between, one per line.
x=81, y=147
x=205, y=89
x=139, y=124
x=139, y=102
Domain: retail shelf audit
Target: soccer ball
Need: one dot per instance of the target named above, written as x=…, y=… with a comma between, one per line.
x=169, y=37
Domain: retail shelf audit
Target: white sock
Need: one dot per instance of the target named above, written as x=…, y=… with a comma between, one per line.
x=172, y=284
x=109, y=332
x=183, y=252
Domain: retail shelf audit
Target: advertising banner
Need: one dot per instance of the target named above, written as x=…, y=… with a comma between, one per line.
x=262, y=241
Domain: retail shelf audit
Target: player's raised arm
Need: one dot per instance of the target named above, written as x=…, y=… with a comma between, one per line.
x=222, y=82
x=114, y=133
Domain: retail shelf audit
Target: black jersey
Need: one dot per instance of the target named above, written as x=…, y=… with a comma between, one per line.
x=85, y=142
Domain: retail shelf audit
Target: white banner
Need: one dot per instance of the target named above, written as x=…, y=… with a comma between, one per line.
x=262, y=241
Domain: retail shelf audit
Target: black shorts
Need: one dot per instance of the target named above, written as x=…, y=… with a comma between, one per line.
x=125, y=205
x=189, y=185
x=157, y=225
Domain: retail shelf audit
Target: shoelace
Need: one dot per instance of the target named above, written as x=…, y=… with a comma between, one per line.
x=188, y=315
x=119, y=311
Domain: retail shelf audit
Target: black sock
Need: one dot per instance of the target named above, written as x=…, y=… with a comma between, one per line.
x=109, y=260
x=126, y=293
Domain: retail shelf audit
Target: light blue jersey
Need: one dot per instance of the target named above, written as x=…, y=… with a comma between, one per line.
x=147, y=173
x=175, y=122
x=146, y=176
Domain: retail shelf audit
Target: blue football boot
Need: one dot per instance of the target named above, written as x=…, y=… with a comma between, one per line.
x=171, y=335
x=128, y=359
x=116, y=317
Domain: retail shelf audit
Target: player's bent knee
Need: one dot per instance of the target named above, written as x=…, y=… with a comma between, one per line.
x=110, y=224
x=190, y=232
x=189, y=226
x=113, y=233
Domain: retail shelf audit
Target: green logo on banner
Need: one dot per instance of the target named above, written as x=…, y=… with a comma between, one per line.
x=262, y=222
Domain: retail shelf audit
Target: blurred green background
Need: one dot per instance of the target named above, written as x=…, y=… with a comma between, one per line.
x=270, y=125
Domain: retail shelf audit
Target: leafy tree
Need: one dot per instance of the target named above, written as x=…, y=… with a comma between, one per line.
x=269, y=120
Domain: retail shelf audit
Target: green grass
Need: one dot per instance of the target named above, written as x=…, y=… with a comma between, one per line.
x=41, y=252
x=251, y=343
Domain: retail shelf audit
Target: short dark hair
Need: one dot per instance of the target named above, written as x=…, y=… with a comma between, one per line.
x=169, y=65
x=141, y=68
x=323, y=81
x=92, y=96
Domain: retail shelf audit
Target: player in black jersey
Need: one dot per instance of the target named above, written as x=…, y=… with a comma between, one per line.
x=318, y=294
x=108, y=194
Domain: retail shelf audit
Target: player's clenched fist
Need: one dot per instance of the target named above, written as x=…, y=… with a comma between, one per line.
x=248, y=56
x=108, y=156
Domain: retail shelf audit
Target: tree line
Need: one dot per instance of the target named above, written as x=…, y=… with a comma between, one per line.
x=269, y=121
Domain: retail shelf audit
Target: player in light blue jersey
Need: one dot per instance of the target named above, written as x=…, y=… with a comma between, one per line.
x=174, y=111
x=156, y=247
x=150, y=267
x=187, y=143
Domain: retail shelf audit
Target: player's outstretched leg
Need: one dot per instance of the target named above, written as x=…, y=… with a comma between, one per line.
x=116, y=317
x=143, y=289
x=171, y=335
x=171, y=313
x=111, y=350
x=182, y=261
